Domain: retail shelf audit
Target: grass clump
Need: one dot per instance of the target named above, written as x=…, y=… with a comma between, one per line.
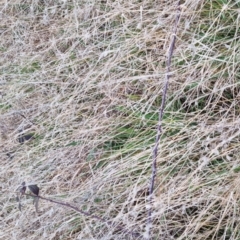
x=85, y=79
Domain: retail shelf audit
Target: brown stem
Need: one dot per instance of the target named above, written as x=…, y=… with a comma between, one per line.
x=101, y=219
x=160, y=117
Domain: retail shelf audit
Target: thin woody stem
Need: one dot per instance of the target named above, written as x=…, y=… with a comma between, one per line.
x=160, y=117
x=101, y=219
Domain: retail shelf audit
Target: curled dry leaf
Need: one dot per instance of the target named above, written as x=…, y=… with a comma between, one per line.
x=34, y=189
x=24, y=137
x=35, y=202
x=21, y=191
x=23, y=188
x=19, y=206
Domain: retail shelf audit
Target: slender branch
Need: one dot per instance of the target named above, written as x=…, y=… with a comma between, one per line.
x=88, y=214
x=160, y=117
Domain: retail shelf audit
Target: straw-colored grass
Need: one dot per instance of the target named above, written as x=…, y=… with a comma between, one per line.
x=86, y=77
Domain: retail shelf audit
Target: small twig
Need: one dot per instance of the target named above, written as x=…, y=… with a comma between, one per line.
x=101, y=219
x=159, y=127
x=23, y=116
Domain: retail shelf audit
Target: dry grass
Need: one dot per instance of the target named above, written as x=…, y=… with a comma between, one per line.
x=86, y=78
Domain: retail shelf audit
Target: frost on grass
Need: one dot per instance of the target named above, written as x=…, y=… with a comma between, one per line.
x=86, y=79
